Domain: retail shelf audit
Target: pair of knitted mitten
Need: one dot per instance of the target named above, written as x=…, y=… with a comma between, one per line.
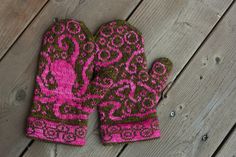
x=66, y=93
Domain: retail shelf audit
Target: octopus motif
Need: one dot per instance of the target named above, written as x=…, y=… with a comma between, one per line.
x=65, y=76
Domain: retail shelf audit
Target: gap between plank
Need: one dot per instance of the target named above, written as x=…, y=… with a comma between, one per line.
x=122, y=149
x=132, y=12
x=26, y=148
x=224, y=140
x=1, y=58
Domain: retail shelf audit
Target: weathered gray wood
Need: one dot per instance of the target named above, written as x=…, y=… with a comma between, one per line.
x=45, y=150
x=203, y=98
x=175, y=29
x=229, y=148
x=160, y=21
x=17, y=69
x=15, y=16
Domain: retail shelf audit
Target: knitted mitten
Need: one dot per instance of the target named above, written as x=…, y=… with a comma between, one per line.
x=128, y=111
x=64, y=96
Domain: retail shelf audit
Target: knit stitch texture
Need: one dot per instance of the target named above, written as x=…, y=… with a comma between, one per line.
x=125, y=92
x=64, y=97
x=128, y=111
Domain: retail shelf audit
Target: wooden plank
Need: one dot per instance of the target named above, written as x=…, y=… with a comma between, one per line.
x=17, y=69
x=168, y=19
x=203, y=99
x=15, y=17
x=229, y=147
x=162, y=22
x=175, y=29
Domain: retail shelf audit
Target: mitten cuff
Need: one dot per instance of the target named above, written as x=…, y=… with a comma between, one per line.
x=45, y=130
x=130, y=132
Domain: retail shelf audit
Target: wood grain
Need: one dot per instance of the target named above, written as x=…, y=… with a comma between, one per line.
x=203, y=98
x=17, y=69
x=229, y=147
x=174, y=29
x=15, y=17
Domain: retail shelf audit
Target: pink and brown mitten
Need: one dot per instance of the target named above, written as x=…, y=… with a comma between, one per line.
x=64, y=96
x=128, y=111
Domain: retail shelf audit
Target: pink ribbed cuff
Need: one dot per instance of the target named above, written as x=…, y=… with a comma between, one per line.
x=55, y=132
x=130, y=132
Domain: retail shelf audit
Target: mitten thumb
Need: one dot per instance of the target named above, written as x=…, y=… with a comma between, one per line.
x=160, y=71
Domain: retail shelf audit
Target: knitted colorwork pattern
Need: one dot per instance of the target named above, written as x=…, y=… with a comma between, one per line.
x=126, y=93
x=64, y=96
x=128, y=111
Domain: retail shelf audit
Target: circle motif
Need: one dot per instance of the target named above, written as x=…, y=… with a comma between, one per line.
x=73, y=27
x=148, y=103
x=117, y=41
x=64, y=55
x=113, y=129
x=132, y=68
x=58, y=28
x=89, y=47
x=104, y=55
x=131, y=37
x=106, y=31
x=82, y=37
x=159, y=69
x=147, y=132
x=143, y=75
x=50, y=133
x=38, y=124
x=80, y=132
x=102, y=41
x=128, y=49
x=127, y=134
x=62, y=128
x=69, y=137
x=139, y=59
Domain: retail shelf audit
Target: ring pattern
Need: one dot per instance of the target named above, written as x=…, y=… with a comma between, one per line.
x=130, y=132
x=64, y=96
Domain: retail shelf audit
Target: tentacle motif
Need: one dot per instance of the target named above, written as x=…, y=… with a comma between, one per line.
x=70, y=116
x=128, y=111
x=81, y=91
x=128, y=64
x=64, y=96
x=65, y=77
x=116, y=106
x=131, y=85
